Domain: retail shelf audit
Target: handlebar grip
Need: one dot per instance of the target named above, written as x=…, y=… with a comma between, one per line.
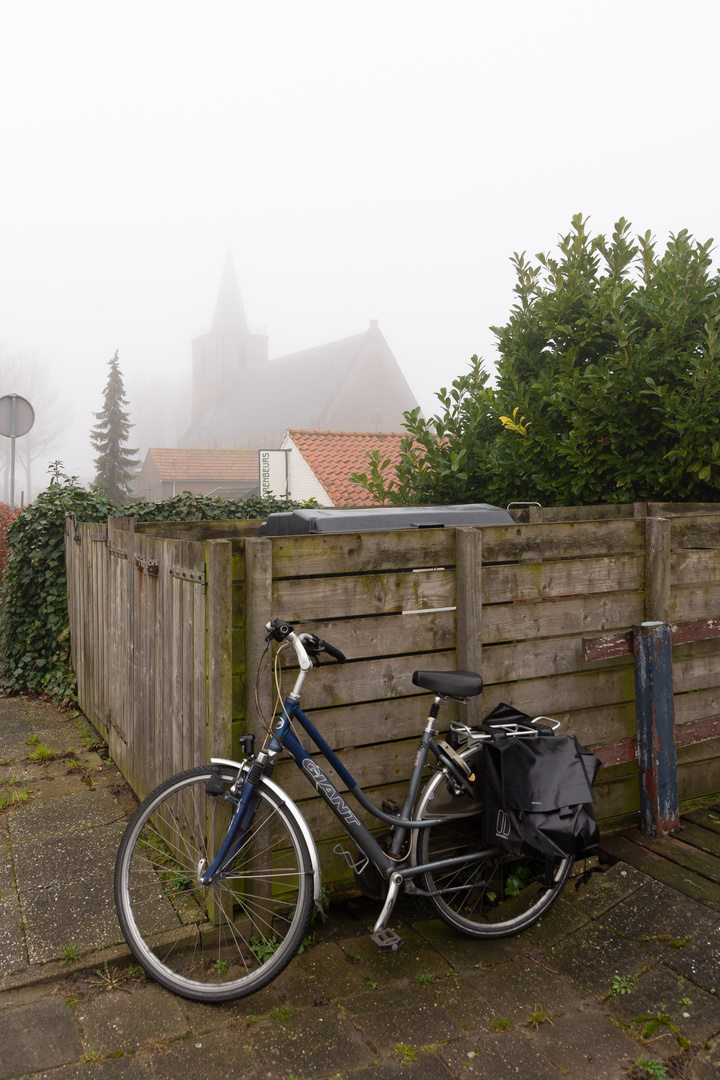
x=335, y=653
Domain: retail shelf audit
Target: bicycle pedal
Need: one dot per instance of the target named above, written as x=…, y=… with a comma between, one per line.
x=388, y=940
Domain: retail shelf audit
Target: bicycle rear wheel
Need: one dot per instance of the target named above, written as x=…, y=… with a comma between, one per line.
x=498, y=896
x=232, y=938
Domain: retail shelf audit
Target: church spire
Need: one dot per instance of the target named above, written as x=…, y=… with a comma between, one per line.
x=229, y=309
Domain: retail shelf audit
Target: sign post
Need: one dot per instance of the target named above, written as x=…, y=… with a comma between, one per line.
x=17, y=416
x=273, y=473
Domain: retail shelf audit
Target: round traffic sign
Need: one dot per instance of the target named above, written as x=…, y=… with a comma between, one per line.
x=17, y=416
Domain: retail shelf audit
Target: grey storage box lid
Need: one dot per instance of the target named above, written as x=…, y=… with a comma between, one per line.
x=297, y=522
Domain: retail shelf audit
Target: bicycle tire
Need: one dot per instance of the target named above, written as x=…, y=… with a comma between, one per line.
x=496, y=897
x=234, y=937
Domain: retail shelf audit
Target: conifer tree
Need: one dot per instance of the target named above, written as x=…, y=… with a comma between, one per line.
x=116, y=463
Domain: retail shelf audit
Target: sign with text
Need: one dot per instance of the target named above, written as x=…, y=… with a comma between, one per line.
x=273, y=473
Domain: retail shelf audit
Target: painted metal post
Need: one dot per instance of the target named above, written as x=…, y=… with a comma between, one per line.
x=659, y=805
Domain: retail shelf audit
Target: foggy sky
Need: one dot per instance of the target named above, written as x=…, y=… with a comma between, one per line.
x=375, y=160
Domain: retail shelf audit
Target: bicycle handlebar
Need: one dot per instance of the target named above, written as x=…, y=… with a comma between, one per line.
x=279, y=630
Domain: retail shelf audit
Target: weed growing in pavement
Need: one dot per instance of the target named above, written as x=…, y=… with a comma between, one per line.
x=622, y=984
x=110, y=978
x=405, y=1053
x=538, y=1017
x=71, y=953
x=42, y=754
x=423, y=979
x=652, y=1067
x=501, y=1023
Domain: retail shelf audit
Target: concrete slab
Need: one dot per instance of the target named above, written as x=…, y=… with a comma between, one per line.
x=607, y=889
x=660, y=919
x=593, y=955
x=128, y=1067
x=78, y=856
x=707, y=1064
x=695, y=1013
x=462, y=1002
x=12, y=943
x=127, y=1018
x=585, y=1043
x=38, y=1036
x=415, y=1017
x=388, y=969
x=310, y=1043
x=80, y=913
x=699, y=960
x=562, y=919
x=46, y=817
x=14, y=733
x=518, y=989
x=507, y=1055
x=424, y=1067
x=320, y=975
x=465, y=953
x=228, y=1053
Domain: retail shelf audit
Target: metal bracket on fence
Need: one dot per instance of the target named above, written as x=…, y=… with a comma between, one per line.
x=149, y=567
x=117, y=553
x=110, y=723
x=197, y=576
x=98, y=538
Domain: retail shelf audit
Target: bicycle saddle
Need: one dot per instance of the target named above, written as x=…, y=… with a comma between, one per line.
x=455, y=684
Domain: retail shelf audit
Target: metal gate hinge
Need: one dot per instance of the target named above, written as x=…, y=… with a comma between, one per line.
x=98, y=538
x=189, y=575
x=117, y=553
x=149, y=567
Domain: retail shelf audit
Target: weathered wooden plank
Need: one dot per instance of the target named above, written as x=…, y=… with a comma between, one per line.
x=535, y=658
x=384, y=635
x=705, y=840
x=509, y=543
x=707, y=818
x=696, y=531
x=690, y=567
x=696, y=672
x=683, y=854
x=627, y=848
x=565, y=693
x=571, y=577
x=302, y=599
x=367, y=680
x=551, y=618
x=361, y=553
x=200, y=531
x=699, y=601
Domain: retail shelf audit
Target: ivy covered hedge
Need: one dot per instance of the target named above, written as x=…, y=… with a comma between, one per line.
x=34, y=625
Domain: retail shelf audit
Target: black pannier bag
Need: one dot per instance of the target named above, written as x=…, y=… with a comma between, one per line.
x=537, y=790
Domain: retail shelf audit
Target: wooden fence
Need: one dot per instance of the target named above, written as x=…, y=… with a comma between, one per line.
x=167, y=628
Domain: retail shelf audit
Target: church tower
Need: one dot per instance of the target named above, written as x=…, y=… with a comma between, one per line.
x=227, y=348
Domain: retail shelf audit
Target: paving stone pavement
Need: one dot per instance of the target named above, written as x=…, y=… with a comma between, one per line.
x=623, y=968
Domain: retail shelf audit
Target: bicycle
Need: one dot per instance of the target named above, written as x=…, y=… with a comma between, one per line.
x=218, y=874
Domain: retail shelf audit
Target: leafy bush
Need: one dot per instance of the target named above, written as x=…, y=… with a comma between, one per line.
x=7, y=516
x=34, y=625
x=608, y=386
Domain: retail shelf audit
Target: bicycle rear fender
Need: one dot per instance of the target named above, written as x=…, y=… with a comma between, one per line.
x=301, y=824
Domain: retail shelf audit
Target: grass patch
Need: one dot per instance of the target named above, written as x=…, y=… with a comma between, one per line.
x=42, y=754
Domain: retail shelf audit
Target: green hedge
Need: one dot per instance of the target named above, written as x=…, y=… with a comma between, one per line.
x=34, y=624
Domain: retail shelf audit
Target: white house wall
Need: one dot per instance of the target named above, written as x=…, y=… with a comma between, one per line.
x=302, y=482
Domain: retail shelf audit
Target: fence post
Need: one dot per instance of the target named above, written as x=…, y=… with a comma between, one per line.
x=468, y=592
x=657, y=569
x=659, y=805
x=219, y=638
x=258, y=604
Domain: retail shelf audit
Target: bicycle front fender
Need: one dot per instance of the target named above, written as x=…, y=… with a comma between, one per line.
x=301, y=824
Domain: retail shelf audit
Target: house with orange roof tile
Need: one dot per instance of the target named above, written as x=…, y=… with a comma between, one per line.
x=320, y=463
x=228, y=473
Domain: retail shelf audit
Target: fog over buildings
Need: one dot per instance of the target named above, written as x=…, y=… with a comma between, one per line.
x=361, y=162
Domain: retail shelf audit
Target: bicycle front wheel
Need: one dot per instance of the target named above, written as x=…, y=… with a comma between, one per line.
x=497, y=896
x=232, y=938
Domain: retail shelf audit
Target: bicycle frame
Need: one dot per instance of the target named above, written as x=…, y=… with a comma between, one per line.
x=285, y=738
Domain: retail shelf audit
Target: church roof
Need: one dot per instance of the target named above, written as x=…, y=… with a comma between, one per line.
x=293, y=390
x=229, y=308
x=334, y=455
x=228, y=465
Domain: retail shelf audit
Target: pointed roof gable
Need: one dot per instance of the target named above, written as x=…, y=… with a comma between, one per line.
x=334, y=455
x=229, y=308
